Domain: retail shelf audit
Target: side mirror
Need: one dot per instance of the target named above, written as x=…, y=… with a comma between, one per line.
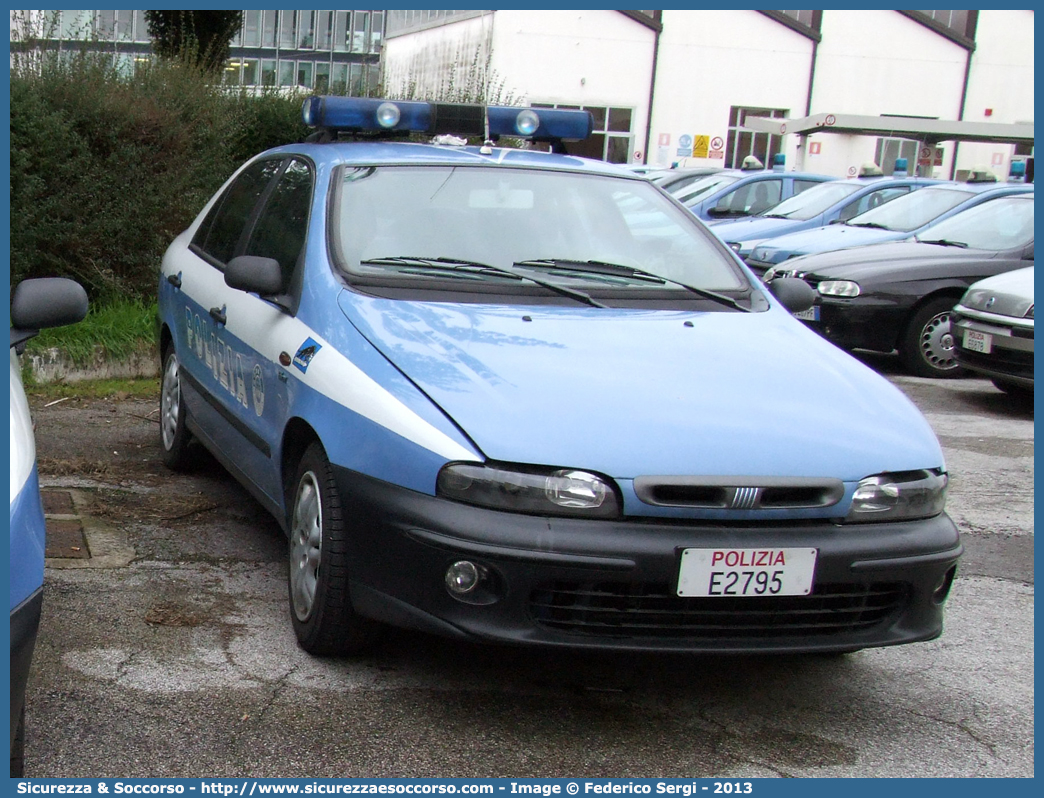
x=45, y=302
x=793, y=293
x=261, y=276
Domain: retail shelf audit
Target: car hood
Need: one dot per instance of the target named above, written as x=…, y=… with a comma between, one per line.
x=629, y=392
x=897, y=262
x=757, y=228
x=822, y=239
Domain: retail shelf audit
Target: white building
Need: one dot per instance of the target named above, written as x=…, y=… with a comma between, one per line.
x=677, y=86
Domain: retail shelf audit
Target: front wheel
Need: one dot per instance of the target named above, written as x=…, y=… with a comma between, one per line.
x=926, y=347
x=175, y=438
x=320, y=606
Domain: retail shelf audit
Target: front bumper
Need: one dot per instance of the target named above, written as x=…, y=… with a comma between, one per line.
x=863, y=323
x=25, y=620
x=611, y=584
x=1010, y=357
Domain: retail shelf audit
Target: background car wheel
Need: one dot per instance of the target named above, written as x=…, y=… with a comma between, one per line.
x=175, y=439
x=926, y=348
x=18, y=749
x=320, y=607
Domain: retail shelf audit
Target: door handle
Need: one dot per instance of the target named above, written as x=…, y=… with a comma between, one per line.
x=174, y=279
x=218, y=314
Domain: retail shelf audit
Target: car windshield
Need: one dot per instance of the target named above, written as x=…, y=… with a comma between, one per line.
x=911, y=211
x=510, y=224
x=1005, y=223
x=813, y=201
x=692, y=193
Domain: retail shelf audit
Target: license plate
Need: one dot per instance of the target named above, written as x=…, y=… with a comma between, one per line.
x=978, y=341
x=746, y=572
x=812, y=314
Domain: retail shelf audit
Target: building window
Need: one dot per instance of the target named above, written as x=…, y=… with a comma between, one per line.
x=268, y=32
x=339, y=79
x=743, y=141
x=342, y=28
x=359, y=31
x=306, y=30
x=324, y=30
x=961, y=22
x=288, y=29
x=251, y=28
x=889, y=150
x=268, y=72
x=611, y=138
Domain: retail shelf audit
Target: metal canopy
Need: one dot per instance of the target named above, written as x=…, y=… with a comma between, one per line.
x=929, y=131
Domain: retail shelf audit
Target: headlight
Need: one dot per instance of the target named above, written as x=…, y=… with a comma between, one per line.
x=845, y=288
x=735, y=246
x=523, y=490
x=899, y=496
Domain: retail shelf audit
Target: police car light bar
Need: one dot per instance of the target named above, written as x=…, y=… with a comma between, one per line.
x=361, y=114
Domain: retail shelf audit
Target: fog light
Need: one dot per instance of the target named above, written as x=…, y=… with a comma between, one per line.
x=463, y=577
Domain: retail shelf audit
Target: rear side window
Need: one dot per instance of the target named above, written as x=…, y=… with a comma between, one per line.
x=872, y=200
x=283, y=225
x=219, y=235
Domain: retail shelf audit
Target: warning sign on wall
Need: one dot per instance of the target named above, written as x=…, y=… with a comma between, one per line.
x=701, y=146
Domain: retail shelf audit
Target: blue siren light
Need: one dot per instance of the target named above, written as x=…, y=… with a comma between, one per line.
x=365, y=114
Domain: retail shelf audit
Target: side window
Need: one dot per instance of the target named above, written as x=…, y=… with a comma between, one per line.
x=751, y=198
x=221, y=231
x=872, y=200
x=283, y=224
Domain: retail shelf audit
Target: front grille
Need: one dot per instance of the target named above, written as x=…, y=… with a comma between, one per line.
x=651, y=610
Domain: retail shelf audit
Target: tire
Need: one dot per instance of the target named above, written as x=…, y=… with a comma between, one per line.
x=175, y=439
x=18, y=749
x=926, y=346
x=320, y=605
x=1017, y=392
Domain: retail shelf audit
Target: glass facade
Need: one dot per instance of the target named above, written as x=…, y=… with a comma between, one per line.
x=336, y=52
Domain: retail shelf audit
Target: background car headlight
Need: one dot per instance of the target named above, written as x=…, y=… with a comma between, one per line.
x=534, y=491
x=838, y=288
x=899, y=496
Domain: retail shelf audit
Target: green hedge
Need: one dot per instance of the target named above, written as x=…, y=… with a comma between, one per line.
x=107, y=169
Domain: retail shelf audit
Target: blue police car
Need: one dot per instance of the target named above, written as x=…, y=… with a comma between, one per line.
x=900, y=219
x=35, y=304
x=828, y=203
x=506, y=395
x=748, y=191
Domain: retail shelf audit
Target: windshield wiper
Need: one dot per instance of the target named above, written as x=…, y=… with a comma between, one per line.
x=459, y=267
x=873, y=225
x=942, y=242
x=604, y=267
x=777, y=215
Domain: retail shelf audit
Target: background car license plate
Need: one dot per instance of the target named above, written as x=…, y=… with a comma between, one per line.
x=978, y=341
x=812, y=314
x=746, y=572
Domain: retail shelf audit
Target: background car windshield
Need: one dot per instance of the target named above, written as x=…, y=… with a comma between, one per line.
x=995, y=225
x=914, y=210
x=501, y=216
x=694, y=192
x=814, y=201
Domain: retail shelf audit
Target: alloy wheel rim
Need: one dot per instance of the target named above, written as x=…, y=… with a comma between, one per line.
x=306, y=540
x=937, y=343
x=170, y=399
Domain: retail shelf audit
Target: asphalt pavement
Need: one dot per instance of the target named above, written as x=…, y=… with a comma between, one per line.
x=166, y=648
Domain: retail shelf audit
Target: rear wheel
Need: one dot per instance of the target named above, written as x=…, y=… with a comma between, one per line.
x=320, y=606
x=174, y=436
x=926, y=347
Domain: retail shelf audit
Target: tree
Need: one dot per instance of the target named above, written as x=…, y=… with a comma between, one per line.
x=200, y=37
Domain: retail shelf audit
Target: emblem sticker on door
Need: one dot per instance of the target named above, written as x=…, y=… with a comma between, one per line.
x=305, y=354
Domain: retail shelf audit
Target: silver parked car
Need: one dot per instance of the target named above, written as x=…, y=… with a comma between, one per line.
x=993, y=330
